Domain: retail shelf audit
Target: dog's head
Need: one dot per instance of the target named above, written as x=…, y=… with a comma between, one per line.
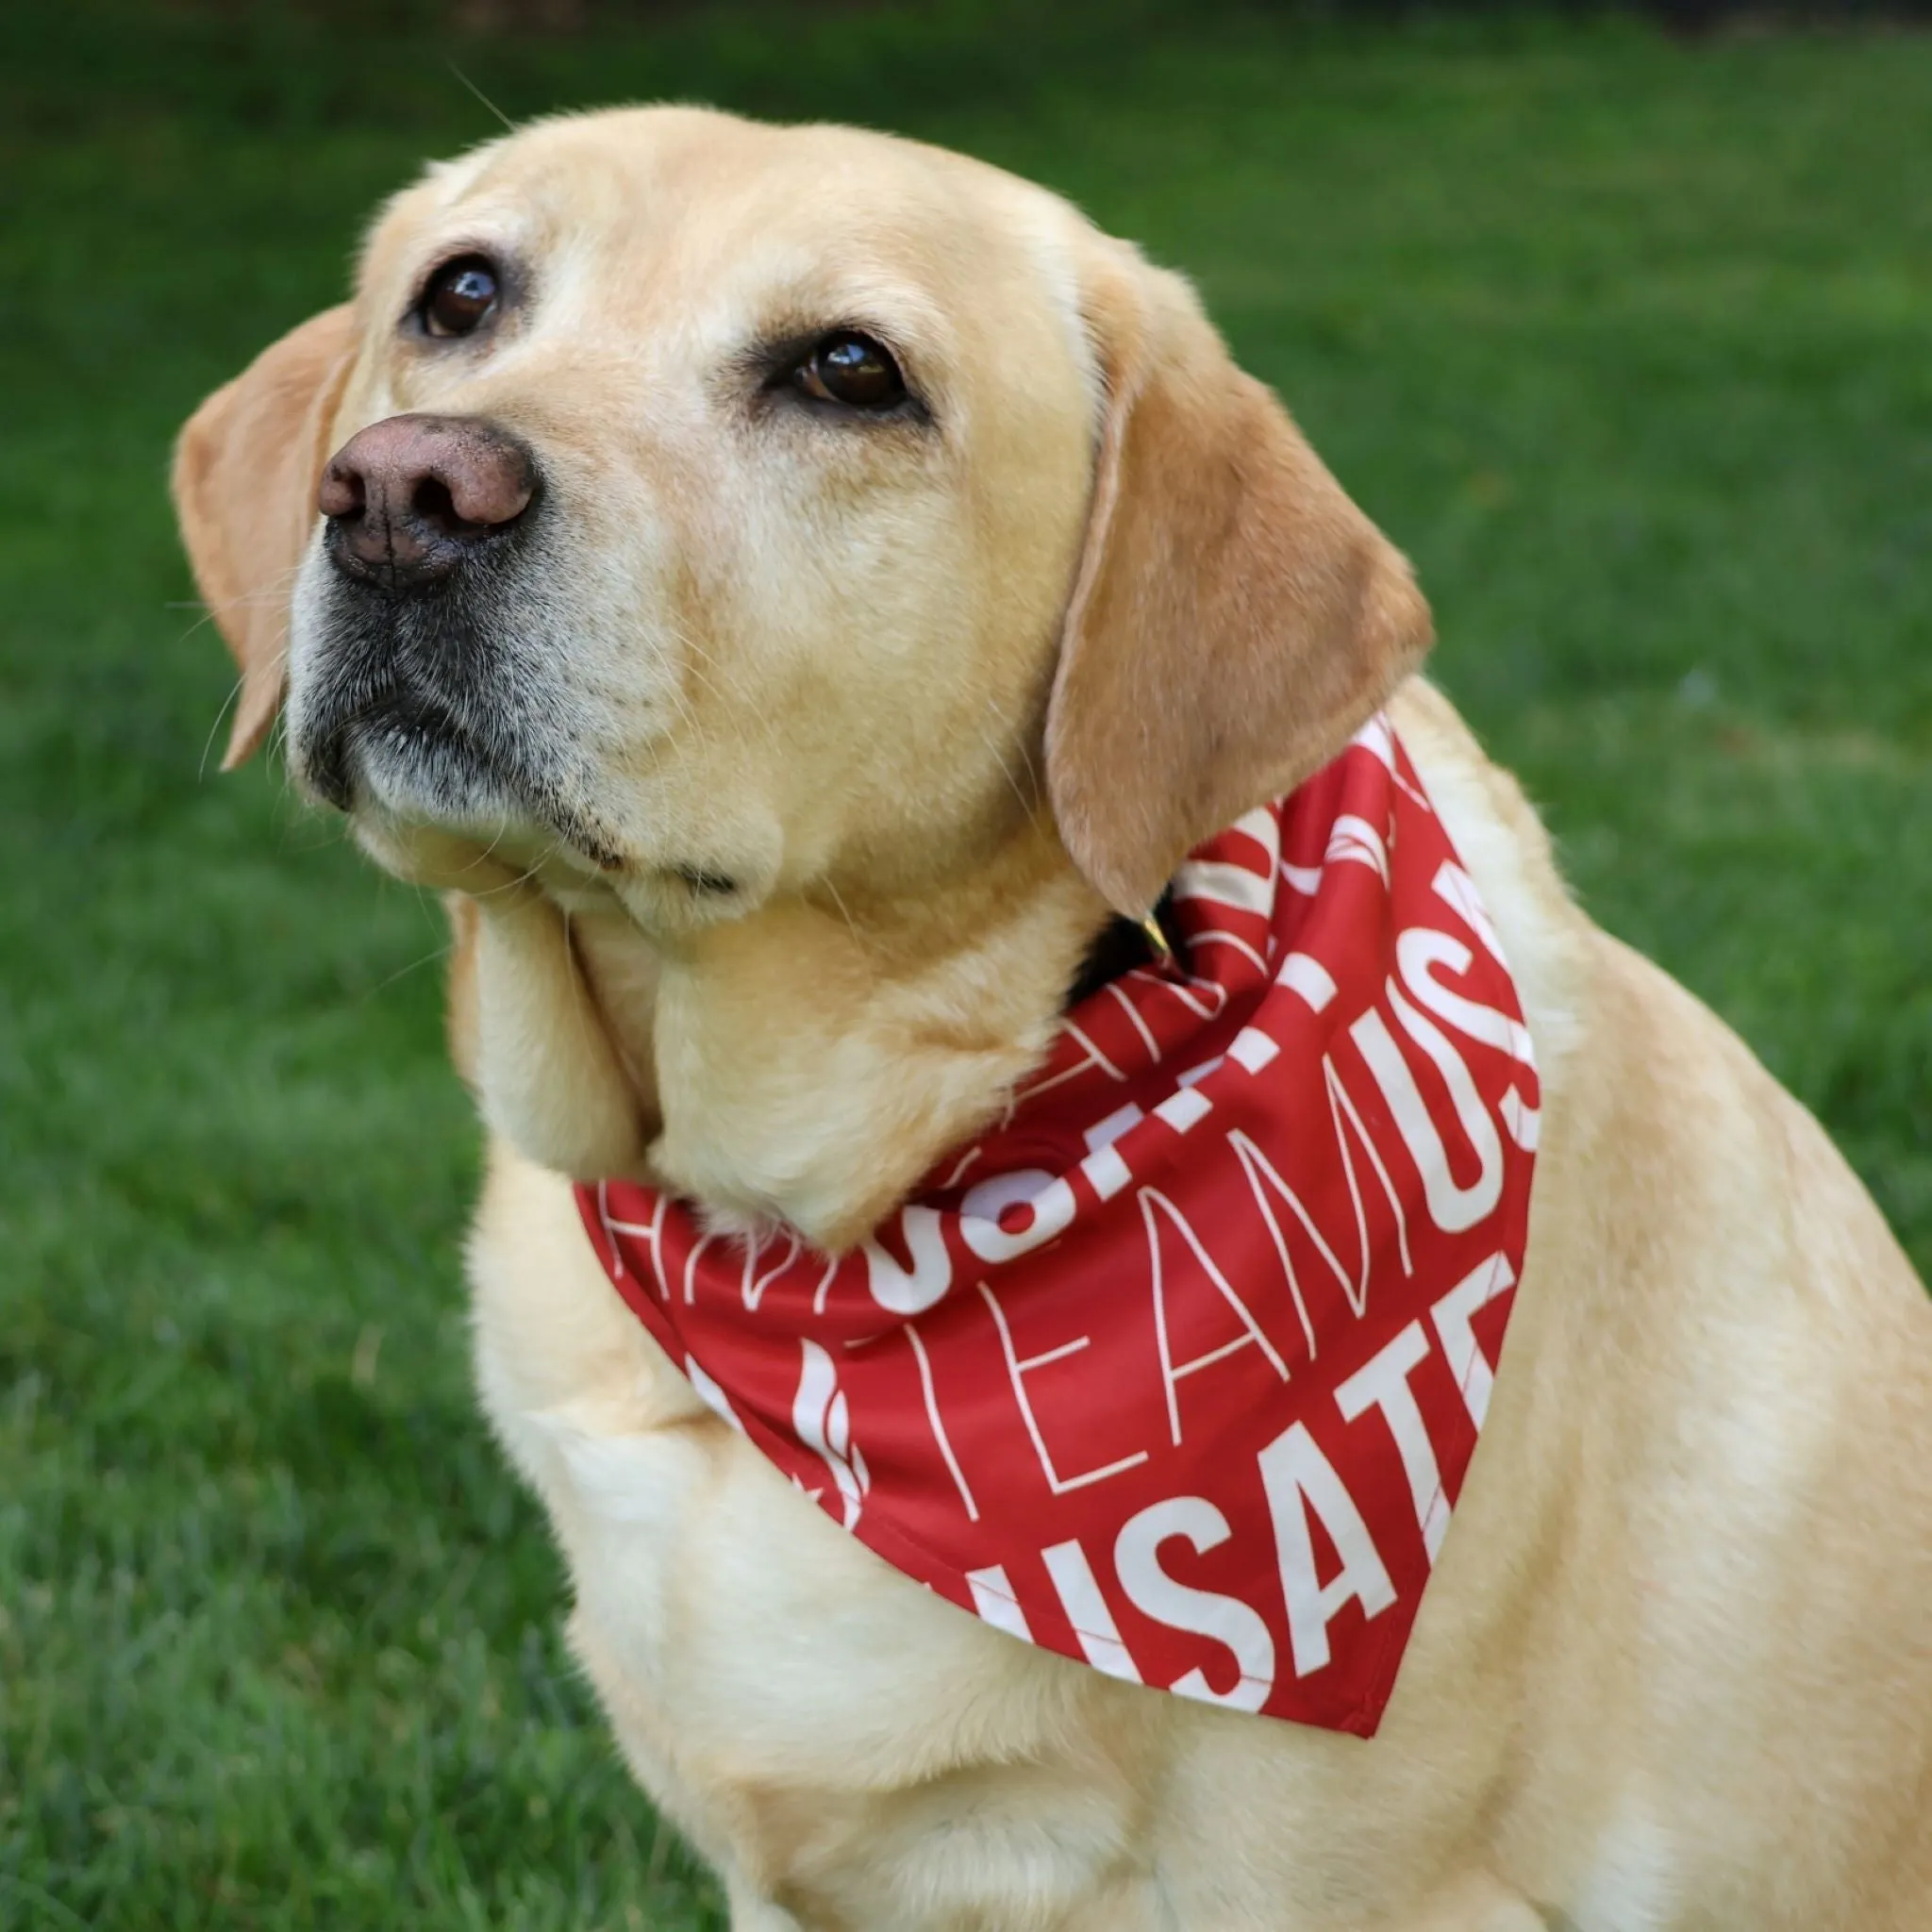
x=712, y=516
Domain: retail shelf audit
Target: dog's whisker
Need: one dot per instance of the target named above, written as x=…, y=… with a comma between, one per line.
x=1021, y=747
x=1026, y=804
x=727, y=692
x=696, y=650
x=388, y=980
x=509, y=124
x=214, y=730
x=851, y=925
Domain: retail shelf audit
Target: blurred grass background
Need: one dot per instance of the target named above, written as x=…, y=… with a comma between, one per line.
x=1625, y=339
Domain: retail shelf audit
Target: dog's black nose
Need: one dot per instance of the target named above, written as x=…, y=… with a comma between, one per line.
x=407, y=497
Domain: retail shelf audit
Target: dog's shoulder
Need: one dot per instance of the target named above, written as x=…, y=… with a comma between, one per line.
x=1506, y=850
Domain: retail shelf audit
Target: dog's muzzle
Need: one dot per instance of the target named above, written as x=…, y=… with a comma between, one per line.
x=410, y=695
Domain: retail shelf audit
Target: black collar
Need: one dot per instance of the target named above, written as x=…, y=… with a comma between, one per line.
x=1120, y=948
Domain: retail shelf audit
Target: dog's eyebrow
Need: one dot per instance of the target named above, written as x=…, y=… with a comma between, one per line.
x=900, y=313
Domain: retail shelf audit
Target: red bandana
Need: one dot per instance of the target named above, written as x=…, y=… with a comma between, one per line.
x=1180, y=1368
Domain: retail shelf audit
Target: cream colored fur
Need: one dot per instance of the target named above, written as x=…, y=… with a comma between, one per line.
x=1675, y=1670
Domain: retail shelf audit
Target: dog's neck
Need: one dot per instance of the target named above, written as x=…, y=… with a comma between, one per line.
x=808, y=1062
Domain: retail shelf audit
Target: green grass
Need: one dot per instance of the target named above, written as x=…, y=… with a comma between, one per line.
x=1630, y=344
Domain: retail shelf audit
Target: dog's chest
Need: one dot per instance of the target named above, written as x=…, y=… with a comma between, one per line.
x=819, y=1725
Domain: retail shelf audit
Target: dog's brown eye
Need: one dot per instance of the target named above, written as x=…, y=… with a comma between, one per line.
x=852, y=369
x=460, y=296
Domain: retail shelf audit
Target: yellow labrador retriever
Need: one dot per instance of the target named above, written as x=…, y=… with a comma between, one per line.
x=862, y=582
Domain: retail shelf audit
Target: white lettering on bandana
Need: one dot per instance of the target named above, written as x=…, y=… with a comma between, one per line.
x=1179, y=1369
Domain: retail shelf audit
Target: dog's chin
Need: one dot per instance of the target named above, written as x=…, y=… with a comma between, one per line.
x=437, y=809
x=409, y=765
x=414, y=711
x=383, y=745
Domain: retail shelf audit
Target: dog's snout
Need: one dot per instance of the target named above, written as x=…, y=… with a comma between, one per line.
x=409, y=497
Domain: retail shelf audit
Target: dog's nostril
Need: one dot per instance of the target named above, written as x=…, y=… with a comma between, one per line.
x=341, y=493
x=432, y=501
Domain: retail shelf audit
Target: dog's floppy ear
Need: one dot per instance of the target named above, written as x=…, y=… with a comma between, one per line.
x=245, y=473
x=1235, y=618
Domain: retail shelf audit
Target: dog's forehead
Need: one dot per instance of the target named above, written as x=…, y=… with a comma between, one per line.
x=658, y=207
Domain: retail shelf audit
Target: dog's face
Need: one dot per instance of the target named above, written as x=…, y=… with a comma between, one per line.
x=790, y=434
x=724, y=524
